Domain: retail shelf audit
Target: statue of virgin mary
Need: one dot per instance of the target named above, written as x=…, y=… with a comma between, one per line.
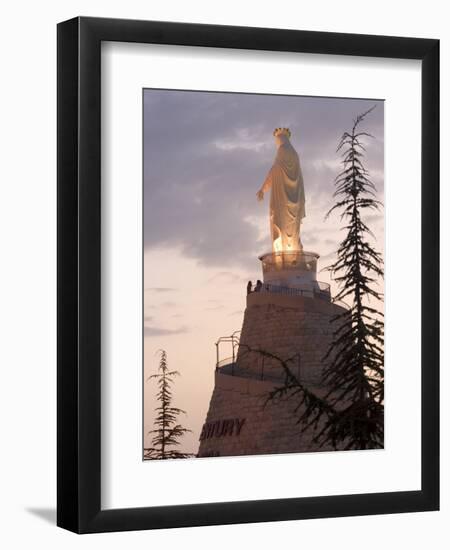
x=287, y=200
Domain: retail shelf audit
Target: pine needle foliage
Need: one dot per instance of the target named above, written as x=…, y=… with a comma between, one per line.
x=351, y=414
x=355, y=358
x=167, y=431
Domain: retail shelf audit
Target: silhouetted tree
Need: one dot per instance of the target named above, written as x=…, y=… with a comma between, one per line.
x=167, y=431
x=351, y=414
x=355, y=359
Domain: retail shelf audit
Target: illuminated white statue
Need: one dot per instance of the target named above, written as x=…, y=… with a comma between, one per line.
x=287, y=200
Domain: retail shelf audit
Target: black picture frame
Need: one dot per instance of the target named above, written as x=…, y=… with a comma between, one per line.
x=79, y=275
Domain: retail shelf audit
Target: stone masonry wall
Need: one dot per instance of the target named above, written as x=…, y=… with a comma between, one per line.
x=237, y=422
x=292, y=328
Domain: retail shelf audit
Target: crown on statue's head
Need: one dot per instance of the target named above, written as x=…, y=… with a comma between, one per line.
x=282, y=132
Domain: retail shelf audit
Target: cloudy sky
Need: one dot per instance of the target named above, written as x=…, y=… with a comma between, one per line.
x=205, y=156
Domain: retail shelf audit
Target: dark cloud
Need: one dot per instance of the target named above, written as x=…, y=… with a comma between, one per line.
x=331, y=256
x=206, y=155
x=157, y=331
x=159, y=289
x=374, y=218
x=223, y=277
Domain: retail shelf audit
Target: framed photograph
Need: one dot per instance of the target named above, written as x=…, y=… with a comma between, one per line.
x=248, y=240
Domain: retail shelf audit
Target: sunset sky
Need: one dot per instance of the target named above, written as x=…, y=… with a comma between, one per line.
x=205, y=157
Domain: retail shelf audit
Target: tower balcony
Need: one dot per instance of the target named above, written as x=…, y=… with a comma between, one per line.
x=312, y=289
x=293, y=274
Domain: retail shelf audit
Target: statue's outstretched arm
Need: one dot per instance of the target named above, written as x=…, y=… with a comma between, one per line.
x=265, y=186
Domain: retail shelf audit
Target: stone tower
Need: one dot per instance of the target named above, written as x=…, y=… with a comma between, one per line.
x=288, y=316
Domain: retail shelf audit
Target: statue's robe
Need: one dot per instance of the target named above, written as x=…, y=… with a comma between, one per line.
x=287, y=201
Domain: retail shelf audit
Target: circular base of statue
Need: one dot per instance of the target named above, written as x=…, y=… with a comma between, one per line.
x=296, y=269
